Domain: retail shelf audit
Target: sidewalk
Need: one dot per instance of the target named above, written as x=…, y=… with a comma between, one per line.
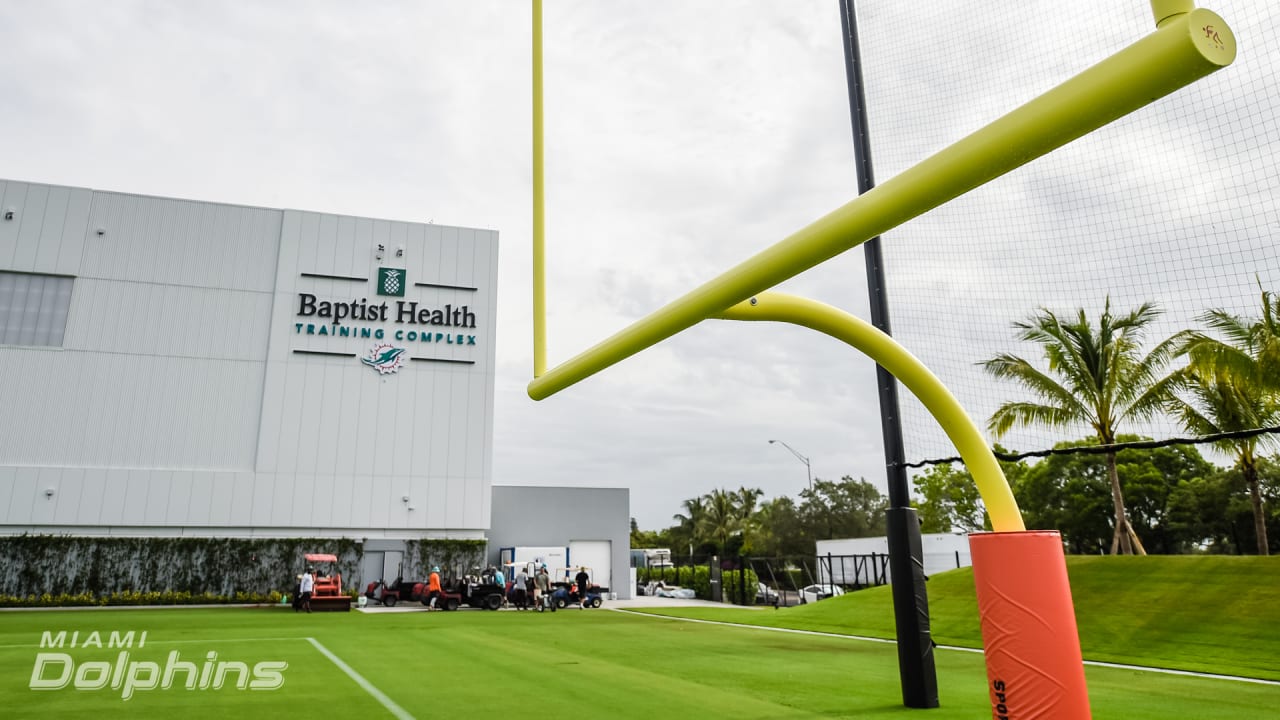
x=641, y=602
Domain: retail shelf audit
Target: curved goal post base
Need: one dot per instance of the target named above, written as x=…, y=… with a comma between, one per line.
x=1035, y=670
x=863, y=336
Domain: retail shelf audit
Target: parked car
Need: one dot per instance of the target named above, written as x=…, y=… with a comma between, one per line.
x=766, y=595
x=814, y=593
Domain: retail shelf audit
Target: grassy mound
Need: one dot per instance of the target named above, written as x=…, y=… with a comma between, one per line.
x=1202, y=613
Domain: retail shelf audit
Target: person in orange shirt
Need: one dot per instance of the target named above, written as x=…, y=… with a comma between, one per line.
x=433, y=588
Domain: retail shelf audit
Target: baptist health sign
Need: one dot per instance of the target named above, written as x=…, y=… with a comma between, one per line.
x=394, y=323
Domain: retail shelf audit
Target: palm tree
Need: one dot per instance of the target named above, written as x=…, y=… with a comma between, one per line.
x=746, y=499
x=1096, y=377
x=747, y=512
x=1222, y=403
x=1236, y=386
x=723, y=518
x=689, y=527
x=1251, y=351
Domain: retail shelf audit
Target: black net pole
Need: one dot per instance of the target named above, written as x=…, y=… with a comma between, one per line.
x=916, y=668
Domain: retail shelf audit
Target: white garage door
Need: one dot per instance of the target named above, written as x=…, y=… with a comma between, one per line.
x=594, y=554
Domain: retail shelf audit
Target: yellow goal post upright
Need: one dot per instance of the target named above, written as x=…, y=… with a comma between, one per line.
x=1032, y=680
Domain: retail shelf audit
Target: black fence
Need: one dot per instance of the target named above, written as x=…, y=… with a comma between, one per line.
x=778, y=581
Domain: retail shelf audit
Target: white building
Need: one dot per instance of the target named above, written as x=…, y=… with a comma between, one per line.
x=173, y=367
x=865, y=561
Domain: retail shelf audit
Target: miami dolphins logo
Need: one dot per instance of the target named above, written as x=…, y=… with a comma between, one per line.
x=384, y=358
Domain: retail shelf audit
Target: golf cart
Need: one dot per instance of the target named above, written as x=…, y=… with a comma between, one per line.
x=513, y=570
x=567, y=593
x=480, y=590
x=475, y=591
x=389, y=595
x=326, y=593
x=379, y=591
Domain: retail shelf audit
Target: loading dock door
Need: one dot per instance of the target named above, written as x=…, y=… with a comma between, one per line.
x=595, y=554
x=370, y=568
x=391, y=565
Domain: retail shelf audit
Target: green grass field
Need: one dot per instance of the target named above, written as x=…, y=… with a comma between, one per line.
x=1209, y=614
x=596, y=663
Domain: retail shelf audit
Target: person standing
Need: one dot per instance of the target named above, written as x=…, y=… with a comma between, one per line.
x=520, y=590
x=541, y=585
x=306, y=587
x=433, y=588
x=581, y=580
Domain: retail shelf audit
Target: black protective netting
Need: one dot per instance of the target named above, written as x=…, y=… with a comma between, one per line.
x=1175, y=204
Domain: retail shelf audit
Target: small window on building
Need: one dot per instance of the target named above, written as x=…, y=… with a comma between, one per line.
x=33, y=308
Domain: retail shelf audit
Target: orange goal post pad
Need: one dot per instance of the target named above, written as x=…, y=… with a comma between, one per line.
x=1034, y=667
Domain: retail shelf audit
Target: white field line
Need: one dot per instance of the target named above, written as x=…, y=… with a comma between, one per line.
x=1095, y=663
x=377, y=694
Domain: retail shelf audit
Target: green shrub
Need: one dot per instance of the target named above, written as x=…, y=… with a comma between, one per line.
x=698, y=579
x=64, y=565
x=131, y=597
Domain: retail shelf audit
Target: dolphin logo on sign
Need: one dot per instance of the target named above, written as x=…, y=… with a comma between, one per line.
x=384, y=358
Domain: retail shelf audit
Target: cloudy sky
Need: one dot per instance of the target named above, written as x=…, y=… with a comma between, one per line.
x=682, y=137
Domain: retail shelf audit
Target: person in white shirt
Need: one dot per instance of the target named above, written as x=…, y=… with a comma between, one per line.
x=306, y=587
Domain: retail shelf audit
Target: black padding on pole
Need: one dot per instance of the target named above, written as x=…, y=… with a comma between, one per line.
x=911, y=610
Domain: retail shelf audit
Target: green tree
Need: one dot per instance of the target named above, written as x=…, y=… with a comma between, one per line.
x=1225, y=403
x=689, y=531
x=948, y=501
x=1071, y=493
x=1251, y=350
x=781, y=530
x=1234, y=517
x=1199, y=511
x=748, y=517
x=845, y=509
x=722, y=519
x=1097, y=376
x=1234, y=385
x=649, y=538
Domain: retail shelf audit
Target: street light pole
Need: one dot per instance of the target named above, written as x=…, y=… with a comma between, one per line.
x=799, y=457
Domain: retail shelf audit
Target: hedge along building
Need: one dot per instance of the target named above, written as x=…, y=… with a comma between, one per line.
x=180, y=368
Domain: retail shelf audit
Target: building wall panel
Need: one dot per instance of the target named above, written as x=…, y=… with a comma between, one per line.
x=222, y=491
x=168, y=320
x=12, y=195
x=22, y=498
x=179, y=500
x=75, y=232
x=44, y=256
x=102, y=409
x=182, y=242
x=358, y=513
x=31, y=226
x=245, y=494
x=47, y=231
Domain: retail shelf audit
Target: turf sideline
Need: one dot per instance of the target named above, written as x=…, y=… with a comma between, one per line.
x=863, y=638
